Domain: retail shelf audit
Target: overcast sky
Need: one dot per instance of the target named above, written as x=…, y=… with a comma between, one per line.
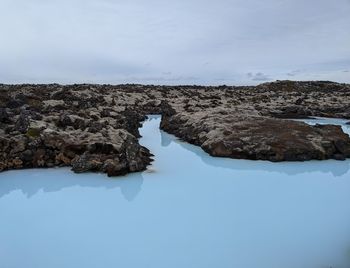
x=174, y=42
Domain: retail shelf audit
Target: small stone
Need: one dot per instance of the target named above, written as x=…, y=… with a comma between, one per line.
x=17, y=163
x=61, y=158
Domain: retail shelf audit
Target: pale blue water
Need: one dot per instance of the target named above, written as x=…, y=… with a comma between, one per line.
x=188, y=210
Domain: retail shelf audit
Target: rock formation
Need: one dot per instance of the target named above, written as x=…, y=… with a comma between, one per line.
x=259, y=138
x=95, y=127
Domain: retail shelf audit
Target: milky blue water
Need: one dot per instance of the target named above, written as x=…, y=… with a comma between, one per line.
x=188, y=210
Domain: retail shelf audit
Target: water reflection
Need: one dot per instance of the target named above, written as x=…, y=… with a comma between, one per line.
x=166, y=139
x=60, y=178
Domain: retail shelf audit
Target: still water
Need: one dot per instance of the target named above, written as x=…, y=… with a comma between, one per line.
x=187, y=210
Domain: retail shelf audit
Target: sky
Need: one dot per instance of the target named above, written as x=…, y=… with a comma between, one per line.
x=232, y=42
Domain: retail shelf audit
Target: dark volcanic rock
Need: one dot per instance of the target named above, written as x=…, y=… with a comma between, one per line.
x=64, y=121
x=259, y=138
x=113, y=159
x=167, y=109
x=132, y=122
x=95, y=127
x=292, y=112
x=22, y=122
x=4, y=116
x=13, y=103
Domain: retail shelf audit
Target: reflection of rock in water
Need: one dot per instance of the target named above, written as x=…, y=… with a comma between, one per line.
x=130, y=187
x=150, y=170
x=166, y=139
x=30, y=182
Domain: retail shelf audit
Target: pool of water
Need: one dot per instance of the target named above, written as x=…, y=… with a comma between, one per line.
x=187, y=210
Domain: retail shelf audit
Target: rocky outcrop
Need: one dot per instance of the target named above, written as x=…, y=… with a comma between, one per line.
x=112, y=151
x=292, y=112
x=95, y=127
x=58, y=129
x=4, y=116
x=259, y=138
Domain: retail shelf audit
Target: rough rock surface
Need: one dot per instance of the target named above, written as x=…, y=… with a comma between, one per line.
x=259, y=138
x=65, y=126
x=95, y=127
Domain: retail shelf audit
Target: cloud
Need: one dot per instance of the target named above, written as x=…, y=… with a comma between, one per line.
x=258, y=76
x=294, y=73
x=210, y=42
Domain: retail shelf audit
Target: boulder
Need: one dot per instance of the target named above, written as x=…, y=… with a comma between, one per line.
x=87, y=162
x=4, y=116
x=22, y=122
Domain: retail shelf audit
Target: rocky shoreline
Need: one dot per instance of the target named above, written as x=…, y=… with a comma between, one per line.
x=259, y=138
x=95, y=127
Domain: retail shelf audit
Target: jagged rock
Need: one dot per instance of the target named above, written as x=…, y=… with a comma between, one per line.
x=105, y=113
x=299, y=101
x=74, y=121
x=87, y=162
x=132, y=123
x=167, y=109
x=62, y=158
x=27, y=156
x=39, y=158
x=3, y=166
x=13, y=103
x=95, y=127
x=4, y=116
x=22, y=122
x=259, y=138
x=18, y=144
x=64, y=121
x=292, y=112
x=17, y=163
x=114, y=168
x=79, y=124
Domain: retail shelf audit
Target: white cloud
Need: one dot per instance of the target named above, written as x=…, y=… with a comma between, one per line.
x=158, y=41
x=258, y=77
